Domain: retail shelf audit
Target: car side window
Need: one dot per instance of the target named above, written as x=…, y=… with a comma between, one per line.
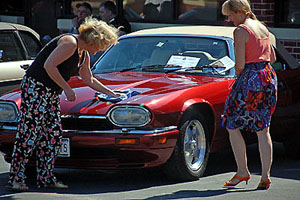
x=10, y=48
x=31, y=44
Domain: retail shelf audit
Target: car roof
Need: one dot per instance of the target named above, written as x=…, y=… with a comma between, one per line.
x=220, y=31
x=12, y=26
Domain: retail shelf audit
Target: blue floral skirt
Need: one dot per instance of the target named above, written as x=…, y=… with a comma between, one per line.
x=252, y=99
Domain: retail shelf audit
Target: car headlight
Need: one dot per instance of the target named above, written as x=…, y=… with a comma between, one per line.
x=129, y=116
x=8, y=112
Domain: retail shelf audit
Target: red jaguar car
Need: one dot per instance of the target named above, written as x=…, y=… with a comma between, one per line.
x=176, y=80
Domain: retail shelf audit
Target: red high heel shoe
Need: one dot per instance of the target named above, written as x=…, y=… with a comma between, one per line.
x=229, y=184
x=263, y=185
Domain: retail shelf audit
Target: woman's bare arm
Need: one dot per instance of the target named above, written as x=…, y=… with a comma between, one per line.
x=87, y=76
x=66, y=47
x=240, y=38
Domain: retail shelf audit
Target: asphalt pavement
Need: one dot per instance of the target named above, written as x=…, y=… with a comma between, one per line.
x=151, y=184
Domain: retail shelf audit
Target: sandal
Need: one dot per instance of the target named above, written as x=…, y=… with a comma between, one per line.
x=263, y=185
x=57, y=185
x=239, y=178
x=17, y=187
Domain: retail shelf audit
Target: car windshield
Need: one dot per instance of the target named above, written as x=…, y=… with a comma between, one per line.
x=167, y=54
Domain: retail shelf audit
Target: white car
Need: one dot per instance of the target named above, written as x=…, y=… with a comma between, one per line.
x=19, y=45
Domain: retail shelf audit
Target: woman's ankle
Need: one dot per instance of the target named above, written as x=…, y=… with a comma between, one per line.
x=243, y=173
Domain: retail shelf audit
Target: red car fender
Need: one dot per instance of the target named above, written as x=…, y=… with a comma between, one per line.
x=195, y=101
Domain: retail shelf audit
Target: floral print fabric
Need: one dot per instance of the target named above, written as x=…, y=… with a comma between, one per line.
x=39, y=130
x=252, y=99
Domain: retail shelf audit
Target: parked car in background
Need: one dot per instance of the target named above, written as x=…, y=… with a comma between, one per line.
x=19, y=45
x=176, y=80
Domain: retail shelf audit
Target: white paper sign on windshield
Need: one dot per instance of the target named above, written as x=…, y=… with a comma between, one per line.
x=183, y=61
x=226, y=62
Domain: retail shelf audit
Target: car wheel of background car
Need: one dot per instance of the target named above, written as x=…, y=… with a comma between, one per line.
x=190, y=156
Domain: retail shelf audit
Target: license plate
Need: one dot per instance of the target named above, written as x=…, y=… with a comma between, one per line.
x=64, y=150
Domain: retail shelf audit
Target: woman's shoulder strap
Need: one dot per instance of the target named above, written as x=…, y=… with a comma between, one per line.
x=246, y=28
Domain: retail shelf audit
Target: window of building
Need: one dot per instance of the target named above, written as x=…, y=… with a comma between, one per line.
x=175, y=11
x=287, y=13
x=94, y=4
x=149, y=10
x=200, y=12
x=12, y=7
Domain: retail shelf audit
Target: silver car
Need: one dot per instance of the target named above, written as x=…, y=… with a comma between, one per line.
x=19, y=45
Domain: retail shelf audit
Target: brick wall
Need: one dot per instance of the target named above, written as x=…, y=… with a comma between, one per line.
x=264, y=11
x=293, y=47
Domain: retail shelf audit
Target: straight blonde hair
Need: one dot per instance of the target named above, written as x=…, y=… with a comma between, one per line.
x=238, y=5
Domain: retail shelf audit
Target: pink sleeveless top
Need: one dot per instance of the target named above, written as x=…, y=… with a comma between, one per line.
x=257, y=49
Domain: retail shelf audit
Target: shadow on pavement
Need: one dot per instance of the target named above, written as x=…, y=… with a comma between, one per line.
x=282, y=167
x=183, y=194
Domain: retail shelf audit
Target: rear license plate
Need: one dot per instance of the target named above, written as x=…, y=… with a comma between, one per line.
x=64, y=150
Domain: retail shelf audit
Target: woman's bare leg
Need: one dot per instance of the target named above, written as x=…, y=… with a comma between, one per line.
x=239, y=149
x=266, y=152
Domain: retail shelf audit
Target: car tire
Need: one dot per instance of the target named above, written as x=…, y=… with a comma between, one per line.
x=189, y=159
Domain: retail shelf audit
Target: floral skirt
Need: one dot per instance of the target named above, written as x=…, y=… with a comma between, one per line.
x=252, y=99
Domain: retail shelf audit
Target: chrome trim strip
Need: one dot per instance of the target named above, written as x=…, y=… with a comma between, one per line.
x=83, y=117
x=125, y=131
x=114, y=131
x=12, y=128
x=91, y=117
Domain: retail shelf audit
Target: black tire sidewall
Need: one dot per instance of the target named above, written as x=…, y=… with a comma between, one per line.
x=177, y=166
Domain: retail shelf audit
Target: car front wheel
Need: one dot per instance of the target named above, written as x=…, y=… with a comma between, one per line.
x=190, y=156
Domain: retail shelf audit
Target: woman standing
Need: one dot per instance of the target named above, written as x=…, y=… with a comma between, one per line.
x=252, y=100
x=40, y=123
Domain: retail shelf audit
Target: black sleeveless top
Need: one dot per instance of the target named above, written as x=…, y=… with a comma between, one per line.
x=67, y=69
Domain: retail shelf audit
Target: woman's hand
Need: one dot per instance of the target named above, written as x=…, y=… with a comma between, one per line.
x=119, y=94
x=70, y=94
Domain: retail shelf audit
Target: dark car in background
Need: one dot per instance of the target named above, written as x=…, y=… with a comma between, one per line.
x=176, y=80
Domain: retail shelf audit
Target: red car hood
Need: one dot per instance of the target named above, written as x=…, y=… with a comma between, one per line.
x=149, y=85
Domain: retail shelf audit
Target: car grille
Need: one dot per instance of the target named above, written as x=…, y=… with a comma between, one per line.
x=89, y=124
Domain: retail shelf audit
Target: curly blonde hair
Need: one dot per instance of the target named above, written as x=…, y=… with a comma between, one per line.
x=238, y=5
x=93, y=31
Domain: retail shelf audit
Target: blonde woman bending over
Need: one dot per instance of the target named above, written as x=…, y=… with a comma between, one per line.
x=252, y=99
x=63, y=57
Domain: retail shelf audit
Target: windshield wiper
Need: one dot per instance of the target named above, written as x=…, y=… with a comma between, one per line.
x=196, y=68
x=143, y=67
x=129, y=69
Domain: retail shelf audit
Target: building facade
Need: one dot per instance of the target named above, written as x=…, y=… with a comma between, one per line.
x=51, y=17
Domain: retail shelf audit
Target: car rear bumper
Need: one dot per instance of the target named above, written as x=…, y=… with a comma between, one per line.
x=103, y=149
